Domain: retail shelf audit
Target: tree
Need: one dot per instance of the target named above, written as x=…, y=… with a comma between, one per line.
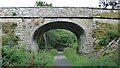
x=42, y=4
x=58, y=39
x=113, y=3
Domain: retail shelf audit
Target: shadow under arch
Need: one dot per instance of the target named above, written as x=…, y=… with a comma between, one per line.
x=76, y=29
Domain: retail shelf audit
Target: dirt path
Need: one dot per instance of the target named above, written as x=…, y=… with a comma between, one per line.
x=61, y=60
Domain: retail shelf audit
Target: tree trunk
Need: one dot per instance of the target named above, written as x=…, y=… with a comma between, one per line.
x=45, y=40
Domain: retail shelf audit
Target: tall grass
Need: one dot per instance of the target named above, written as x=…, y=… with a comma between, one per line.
x=85, y=60
x=45, y=58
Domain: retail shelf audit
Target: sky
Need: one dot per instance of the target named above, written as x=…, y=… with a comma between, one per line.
x=56, y=3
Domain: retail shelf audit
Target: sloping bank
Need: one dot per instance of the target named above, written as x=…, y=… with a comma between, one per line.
x=87, y=60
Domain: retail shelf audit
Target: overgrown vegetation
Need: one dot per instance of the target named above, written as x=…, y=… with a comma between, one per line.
x=103, y=34
x=105, y=53
x=58, y=39
x=19, y=56
x=9, y=37
x=87, y=60
x=106, y=37
x=15, y=54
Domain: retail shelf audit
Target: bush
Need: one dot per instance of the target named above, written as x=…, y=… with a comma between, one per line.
x=53, y=51
x=109, y=36
x=19, y=56
x=15, y=56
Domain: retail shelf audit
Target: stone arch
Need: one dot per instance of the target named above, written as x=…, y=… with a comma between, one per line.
x=78, y=31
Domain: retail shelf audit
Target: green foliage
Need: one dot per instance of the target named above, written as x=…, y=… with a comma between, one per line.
x=40, y=3
x=44, y=58
x=103, y=34
x=10, y=40
x=19, y=56
x=87, y=60
x=110, y=35
x=103, y=28
x=104, y=41
x=9, y=37
x=15, y=56
x=58, y=39
x=53, y=51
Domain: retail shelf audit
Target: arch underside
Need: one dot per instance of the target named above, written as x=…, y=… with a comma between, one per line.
x=76, y=29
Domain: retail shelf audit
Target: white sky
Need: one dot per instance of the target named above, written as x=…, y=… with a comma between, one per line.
x=56, y=3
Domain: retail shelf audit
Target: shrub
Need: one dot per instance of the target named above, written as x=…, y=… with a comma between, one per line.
x=15, y=56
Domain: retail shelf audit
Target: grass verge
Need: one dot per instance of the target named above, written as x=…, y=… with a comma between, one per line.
x=85, y=60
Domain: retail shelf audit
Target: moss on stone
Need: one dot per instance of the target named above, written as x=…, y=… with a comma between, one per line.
x=109, y=14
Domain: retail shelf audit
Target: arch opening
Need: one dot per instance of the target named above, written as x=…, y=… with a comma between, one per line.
x=77, y=30
x=57, y=39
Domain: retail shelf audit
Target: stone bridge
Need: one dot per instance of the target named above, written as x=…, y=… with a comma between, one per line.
x=34, y=21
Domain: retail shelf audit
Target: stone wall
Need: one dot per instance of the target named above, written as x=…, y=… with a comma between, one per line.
x=50, y=12
x=45, y=12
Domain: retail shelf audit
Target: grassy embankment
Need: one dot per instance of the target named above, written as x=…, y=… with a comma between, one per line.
x=87, y=60
x=103, y=35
